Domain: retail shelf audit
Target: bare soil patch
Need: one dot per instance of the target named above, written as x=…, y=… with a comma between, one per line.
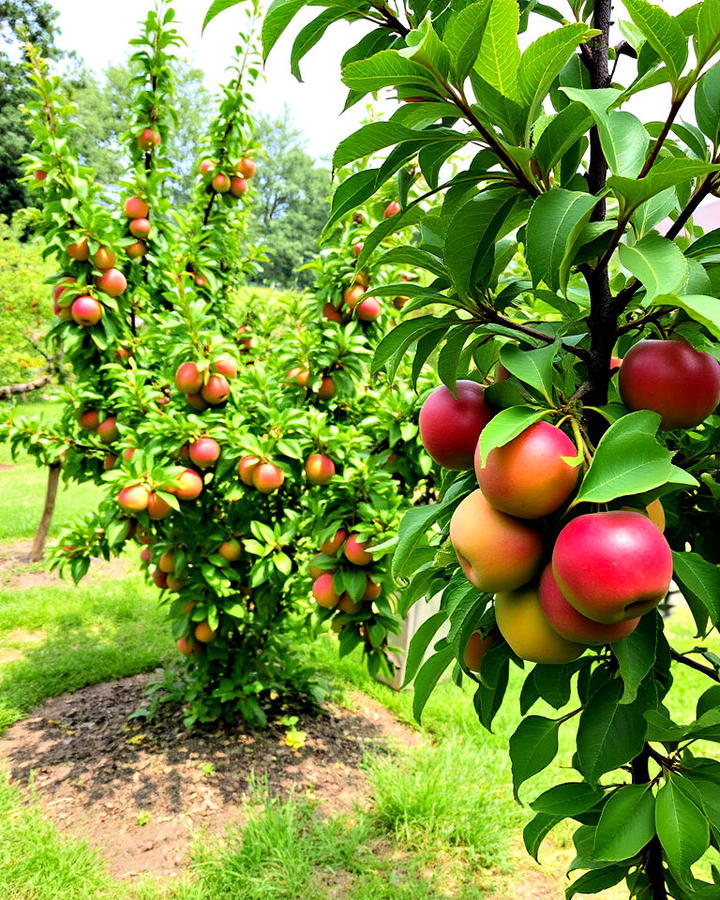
x=137, y=790
x=16, y=572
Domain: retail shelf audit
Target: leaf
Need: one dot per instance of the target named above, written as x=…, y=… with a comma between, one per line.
x=493, y=677
x=385, y=69
x=533, y=746
x=636, y=654
x=498, y=61
x=569, y=799
x=277, y=18
x=707, y=104
x=627, y=823
x=609, y=734
x=413, y=527
x=663, y=32
x=556, y=219
x=311, y=33
x=701, y=579
x=420, y=642
x=596, y=880
x=533, y=367
x=403, y=336
x=560, y=135
x=707, y=34
x=536, y=830
x=699, y=307
x=463, y=36
x=506, y=425
x=378, y=135
x=657, y=263
x=216, y=7
x=428, y=677
x=664, y=174
x=681, y=827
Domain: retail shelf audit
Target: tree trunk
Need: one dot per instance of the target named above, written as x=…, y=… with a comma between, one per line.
x=11, y=390
x=36, y=554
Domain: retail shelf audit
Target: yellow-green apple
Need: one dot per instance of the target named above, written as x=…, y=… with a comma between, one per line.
x=522, y=623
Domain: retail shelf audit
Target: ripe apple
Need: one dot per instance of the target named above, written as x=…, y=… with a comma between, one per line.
x=62, y=286
x=86, y=311
x=246, y=467
x=671, y=378
x=221, y=183
x=107, y=430
x=206, y=166
x=496, y=552
x=79, y=250
x=324, y=591
x=368, y=309
x=372, y=591
x=200, y=281
x=238, y=186
x=521, y=622
x=196, y=401
x=134, y=499
x=392, y=209
x=136, y=208
x=204, y=633
x=109, y=461
x=189, y=485
x=475, y=649
x=314, y=569
x=159, y=578
x=112, y=282
x=352, y=294
x=104, y=258
x=147, y=139
x=216, y=391
x=299, y=375
x=187, y=647
x=157, y=507
x=246, y=167
x=267, y=477
x=450, y=426
x=612, y=566
x=572, y=625
x=331, y=546
x=329, y=312
x=226, y=365
x=89, y=419
x=347, y=605
x=528, y=477
x=175, y=584
x=140, y=227
x=166, y=563
x=39, y=174
x=615, y=363
x=356, y=553
x=136, y=250
x=319, y=468
x=146, y=555
x=230, y=550
x=188, y=378
x=128, y=453
x=327, y=389
x=204, y=452
x=358, y=248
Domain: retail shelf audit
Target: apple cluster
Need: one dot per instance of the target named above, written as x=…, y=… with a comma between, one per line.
x=301, y=375
x=137, y=211
x=221, y=183
x=206, y=383
x=351, y=304
x=332, y=588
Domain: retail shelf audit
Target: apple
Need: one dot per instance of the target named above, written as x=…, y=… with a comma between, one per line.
x=136, y=250
x=314, y=569
x=612, y=566
x=327, y=389
x=147, y=139
x=89, y=419
x=79, y=250
x=352, y=294
x=86, y=311
x=196, y=401
x=136, y=208
x=109, y=461
x=204, y=633
x=572, y=625
x=329, y=312
x=189, y=485
x=221, y=183
x=134, y=499
x=356, y=553
x=672, y=379
x=216, y=391
x=188, y=378
x=496, y=552
x=372, y=591
x=358, y=248
x=175, y=584
x=206, y=166
x=450, y=425
x=112, y=282
x=529, y=477
x=107, y=430
x=267, y=477
x=319, y=468
x=521, y=622
x=615, y=363
x=331, y=546
x=347, y=605
x=104, y=258
x=246, y=167
x=392, y=209
x=238, y=186
x=324, y=591
x=157, y=507
x=368, y=309
x=204, y=452
x=230, y=550
x=200, y=281
x=299, y=375
x=62, y=286
x=186, y=646
x=39, y=174
x=166, y=563
x=475, y=650
x=246, y=467
x=226, y=365
x=140, y=227
x=160, y=579
x=146, y=555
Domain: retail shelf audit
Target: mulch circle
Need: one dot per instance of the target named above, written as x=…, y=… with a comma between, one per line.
x=136, y=789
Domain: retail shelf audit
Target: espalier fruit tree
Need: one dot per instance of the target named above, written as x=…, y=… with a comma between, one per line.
x=571, y=313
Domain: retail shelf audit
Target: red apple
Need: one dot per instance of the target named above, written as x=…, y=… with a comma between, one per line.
x=216, y=391
x=319, y=468
x=160, y=579
x=140, y=227
x=107, y=430
x=352, y=294
x=136, y=250
x=356, y=553
x=112, y=282
x=368, y=309
x=246, y=167
x=89, y=419
x=157, y=507
x=358, y=248
x=39, y=174
x=104, y=258
x=188, y=378
x=450, y=426
x=197, y=401
x=109, y=461
x=333, y=544
x=206, y=166
x=62, y=286
x=86, y=311
x=189, y=485
x=204, y=452
x=221, y=183
x=329, y=312
x=147, y=139
x=134, y=498
x=392, y=209
x=79, y=250
x=136, y=208
x=324, y=591
x=226, y=365
x=267, y=477
x=246, y=467
x=200, y=280
x=238, y=186
x=230, y=550
x=327, y=389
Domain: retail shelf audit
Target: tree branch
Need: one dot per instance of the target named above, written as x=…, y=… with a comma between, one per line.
x=699, y=667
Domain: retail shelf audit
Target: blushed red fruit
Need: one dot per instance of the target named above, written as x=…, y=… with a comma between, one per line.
x=157, y=507
x=331, y=546
x=109, y=461
x=128, y=453
x=200, y=280
x=196, y=401
x=230, y=550
x=62, y=286
x=112, y=282
x=670, y=378
x=327, y=389
x=392, y=209
x=267, y=477
x=146, y=555
x=107, y=430
x=190, y=485
x=89, y=419
x=204, y=452
x=104, y=258
x=496, y=552
x=358, y=248
x=246, y=167
x=348, y=605
x=186, y=646
x=522, y=623
x=572, y=625
x=86, y=311
x=134, y=498
x=319, y=468
x=329, y=312
x=475, y=650
x=160, y=579
x=221, y=183
x=356, y=553
x=226, y=365
x=136, y=208
x=148, y=138
x=140, y=227
x=175, y=584
x=299, y=375
x=216, y=390
x=352, y=294
x=612, y=566
x=136, y=250
x=166, y=563
x=79, y=250
x=238, y=186
x=324, y=591
x=615, y=362
x=246, y=467
x=188, y=378
x=315, y=570
x=368, y=309
x=528, y=477
x=204, y=633
x=450, y=426
x=39, y=174
x=206, y=166
x=372, y=591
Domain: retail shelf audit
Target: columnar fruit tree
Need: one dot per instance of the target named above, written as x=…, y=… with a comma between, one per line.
x=571, y=314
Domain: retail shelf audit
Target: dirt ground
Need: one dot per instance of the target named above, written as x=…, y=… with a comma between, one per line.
x=17, y=573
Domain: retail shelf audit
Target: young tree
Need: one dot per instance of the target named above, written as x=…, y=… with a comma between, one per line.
x=566, y=236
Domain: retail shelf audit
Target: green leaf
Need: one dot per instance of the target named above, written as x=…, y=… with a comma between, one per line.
x=657, y=263
x=681, y=827
x=654, y=210
x=663, y=32
x=707, y=34
x=498, y=61
x=428, y=677
x=216, y=7
x=636, y=654
x=424, y=46
x=420, y=642
x=533, y=367
x=707, y=104
x=536, y=830
x=277, y=18
x=493, y=676
x=556, y=220
x=697, y=577
x=699, y=307
x=403, y=336
x=311, y=33
x=665, y=174
x=709, y=699
x=533, y=746
x=506, y=425
x=609, y=734
x=463, y=36
x=415, y=523
x=596, y=880
x=560, y=135
x=627, y=823
x=569, y=799
x=385, y=69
